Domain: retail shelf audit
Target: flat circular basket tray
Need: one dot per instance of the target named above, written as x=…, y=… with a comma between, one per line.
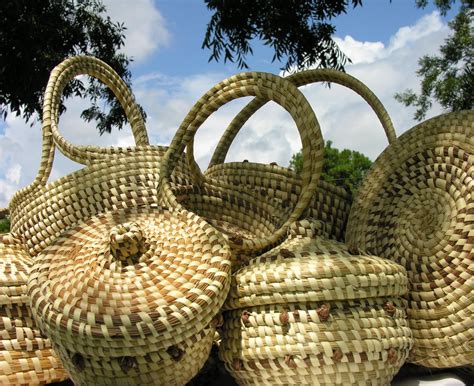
x=416, y=207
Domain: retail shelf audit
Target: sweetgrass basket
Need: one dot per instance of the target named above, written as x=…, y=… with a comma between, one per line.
x=252, y=222
x=130, y=296
x=310, y=312
x=26, y=356
x=330, y=204
x=416, y=207
x=112, y=177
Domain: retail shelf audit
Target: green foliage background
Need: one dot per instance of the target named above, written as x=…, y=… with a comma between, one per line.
x=447, y=78
x=35, y=36
x=4, y=225
x=345, y=168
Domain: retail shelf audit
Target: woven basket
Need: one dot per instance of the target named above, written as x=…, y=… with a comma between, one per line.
x=26, y=357
x=330, y=204
x=113, y=177
x=129, y=297
x=416, y=207
x=282, y=187
x=251, y=221
x=309, y=312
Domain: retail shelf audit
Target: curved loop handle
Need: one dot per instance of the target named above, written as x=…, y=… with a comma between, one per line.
x=60, y=76
x=300, y=79
x=267, y=87
x=87, y=65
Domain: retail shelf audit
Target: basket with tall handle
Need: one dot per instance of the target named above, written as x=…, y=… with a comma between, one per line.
x=251, y=221
x=125, y=288
x=112, y=177
x=330, y=203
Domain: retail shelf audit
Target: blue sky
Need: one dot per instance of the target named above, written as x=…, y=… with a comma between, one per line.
x=171, y=71
x=186, y=20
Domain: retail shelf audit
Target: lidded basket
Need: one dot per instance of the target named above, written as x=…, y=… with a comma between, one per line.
x=312, y=313
x=130, y=296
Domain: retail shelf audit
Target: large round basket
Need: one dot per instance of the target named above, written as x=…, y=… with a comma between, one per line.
x=129, y=297
x=26, y=356
x=309, y=312
x=416, y=207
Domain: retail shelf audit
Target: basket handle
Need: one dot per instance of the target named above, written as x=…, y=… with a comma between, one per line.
x=300, y=79
x=60, y=76
x=268, y=87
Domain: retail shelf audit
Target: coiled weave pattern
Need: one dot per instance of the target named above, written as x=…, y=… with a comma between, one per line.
x=26, y=356
x=130, y=296
x=310, y=313
x=416, y=207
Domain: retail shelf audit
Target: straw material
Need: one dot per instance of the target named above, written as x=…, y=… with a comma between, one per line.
x=129, y=297
x=113, y=178
x=329, y=204
x=308, y=312
x=26, y=357
x=212, y=198
x=416, y=208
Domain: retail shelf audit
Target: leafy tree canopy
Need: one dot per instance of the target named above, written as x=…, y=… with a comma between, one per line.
x=299, y=31
x=448, y=77
x=37, y=35
x=4, y=225
x=345, y=168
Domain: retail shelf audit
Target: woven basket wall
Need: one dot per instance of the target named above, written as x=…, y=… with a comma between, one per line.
x=310, y=313
x=112, y=178
x=129, y=297
x=416, y=207
x=329, y=204
x=26, y=356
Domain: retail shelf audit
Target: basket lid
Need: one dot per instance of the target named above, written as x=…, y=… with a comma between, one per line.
x=309, y=268
x=140, y=276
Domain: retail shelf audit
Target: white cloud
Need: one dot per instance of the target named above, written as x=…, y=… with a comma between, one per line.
x=146, y=28
x=405, y=38
x=345, y=118
x=426, y=26
x=13, y=173
x=6, y=192
x=349, y=122
x=360, y=52
x=270, y=135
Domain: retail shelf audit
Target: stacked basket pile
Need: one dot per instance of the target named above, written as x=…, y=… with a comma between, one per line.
x=129, y=260
x=26, y=356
